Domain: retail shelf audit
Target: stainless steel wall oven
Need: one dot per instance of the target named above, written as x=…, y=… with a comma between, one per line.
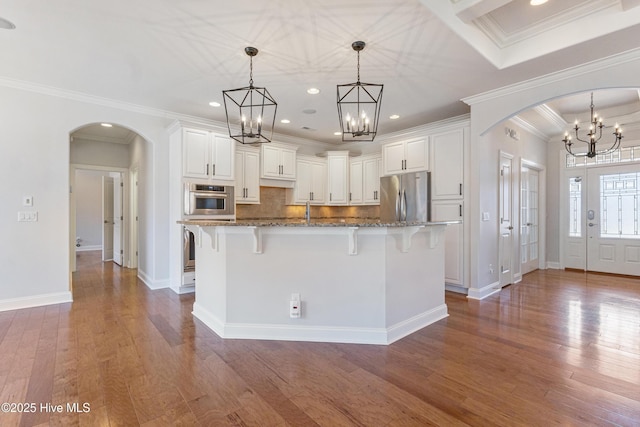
x=209, y=201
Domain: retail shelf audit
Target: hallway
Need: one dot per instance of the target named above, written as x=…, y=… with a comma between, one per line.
x=558, y=348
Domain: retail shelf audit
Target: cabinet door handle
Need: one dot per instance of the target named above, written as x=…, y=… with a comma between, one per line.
x=246, y=193
x=214, y=169
x=461, y=189
x=312, y=195
x=460, y=210
x=330, y=196
x=207, y=169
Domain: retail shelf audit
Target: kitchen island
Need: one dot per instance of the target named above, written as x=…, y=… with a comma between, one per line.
x=358, y=281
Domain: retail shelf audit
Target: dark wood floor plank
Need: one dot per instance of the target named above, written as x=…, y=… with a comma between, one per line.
x=558, y=348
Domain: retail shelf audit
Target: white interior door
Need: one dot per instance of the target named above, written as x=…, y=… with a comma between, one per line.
x=133, y=234
x=506, y=219
x=107, y=218
x=612, y=219
x=529, y=219
x=118, y=218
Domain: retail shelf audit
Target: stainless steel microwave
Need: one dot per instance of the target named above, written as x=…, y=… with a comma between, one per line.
x=209, y=201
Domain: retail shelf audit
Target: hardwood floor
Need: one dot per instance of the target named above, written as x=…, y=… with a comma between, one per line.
x=558, y=348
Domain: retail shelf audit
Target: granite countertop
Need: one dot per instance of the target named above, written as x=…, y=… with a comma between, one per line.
x=319, y=222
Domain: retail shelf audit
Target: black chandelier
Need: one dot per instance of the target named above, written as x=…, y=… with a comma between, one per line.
x=251, y=111
x=594, y=135
x=359, y=106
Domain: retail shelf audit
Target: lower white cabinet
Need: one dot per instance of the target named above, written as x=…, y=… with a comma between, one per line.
x=247, y=176
x=453, y=239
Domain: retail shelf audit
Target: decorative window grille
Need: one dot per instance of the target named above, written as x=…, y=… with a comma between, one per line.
x=624, y=154
x=575, y=207
x=619, y=205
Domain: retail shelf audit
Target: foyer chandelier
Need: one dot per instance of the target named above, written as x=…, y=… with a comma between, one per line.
x=359, y=106
x=251, y=110
x=592, y=137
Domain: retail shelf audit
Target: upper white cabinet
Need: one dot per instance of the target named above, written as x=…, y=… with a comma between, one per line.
x=278, y=161
x=364, y=180
x=405, y=156
x=247, y=176
x=206, y=155
x=311, y=181
x=447, y=165
x=338, y=177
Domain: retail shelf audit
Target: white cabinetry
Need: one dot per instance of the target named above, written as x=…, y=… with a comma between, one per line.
x=311, y=181
x=206, y=155
x=247, y=176
x=405, y=156
x=454, y=239
x=338, y=177
x=447, y=164
x=278, y=162
x=449, y=147
x=364, y=181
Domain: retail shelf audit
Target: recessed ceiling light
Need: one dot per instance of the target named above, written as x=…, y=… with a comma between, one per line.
x=285, y=121
x=107, y=125
x=337, y=133
x=7, y=25
x=214, y=104
x=394, y=116
x=313, y=91
x=537, y=2
x=309, y=111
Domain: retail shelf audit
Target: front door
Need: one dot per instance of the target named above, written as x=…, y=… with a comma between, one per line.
x=612, y=219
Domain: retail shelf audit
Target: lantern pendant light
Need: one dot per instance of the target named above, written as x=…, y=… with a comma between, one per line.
x=251, y=110
x=359, y=106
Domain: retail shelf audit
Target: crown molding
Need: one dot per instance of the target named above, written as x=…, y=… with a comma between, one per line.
x=566, y=74
x=525, y=125
x=419, y=131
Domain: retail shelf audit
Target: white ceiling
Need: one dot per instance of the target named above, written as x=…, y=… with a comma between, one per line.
x=177, y=56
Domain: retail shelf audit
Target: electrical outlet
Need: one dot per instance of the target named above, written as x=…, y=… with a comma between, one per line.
x=490, y=268
x=295, y=306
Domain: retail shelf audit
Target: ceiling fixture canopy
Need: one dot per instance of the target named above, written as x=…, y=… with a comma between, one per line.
x=593, y=136
x=251, y=110
x=359, y=106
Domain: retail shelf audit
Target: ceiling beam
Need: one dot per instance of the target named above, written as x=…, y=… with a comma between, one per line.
x=468, y=10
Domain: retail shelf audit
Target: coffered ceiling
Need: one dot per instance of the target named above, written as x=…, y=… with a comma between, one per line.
x=173, y=57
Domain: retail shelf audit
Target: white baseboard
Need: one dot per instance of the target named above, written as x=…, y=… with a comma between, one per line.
x=553, y=265
x=152, y=284
x=456, y=288
x=88, y=248
x=319, y=333
x=482, y=293
x=35, y=301
x=183, y=289
x=409, y=326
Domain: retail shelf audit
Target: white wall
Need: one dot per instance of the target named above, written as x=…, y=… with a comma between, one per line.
x=88, y=191
x=489, y=110
x=99, y=153
x=487, y=150
x=35, y=128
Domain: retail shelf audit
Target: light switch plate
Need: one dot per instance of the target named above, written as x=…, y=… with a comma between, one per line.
x=28, y=216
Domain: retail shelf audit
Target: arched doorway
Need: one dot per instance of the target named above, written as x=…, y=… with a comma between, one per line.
x=99, y=155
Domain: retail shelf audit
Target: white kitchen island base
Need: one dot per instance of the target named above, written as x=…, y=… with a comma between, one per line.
x=357, y=284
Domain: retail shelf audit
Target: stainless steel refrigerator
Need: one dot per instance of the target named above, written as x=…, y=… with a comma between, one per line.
x=405, y=197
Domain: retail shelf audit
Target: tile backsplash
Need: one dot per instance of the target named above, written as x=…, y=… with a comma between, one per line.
x=273, y=205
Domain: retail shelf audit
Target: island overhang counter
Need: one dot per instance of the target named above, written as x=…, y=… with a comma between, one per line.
x=358, y=281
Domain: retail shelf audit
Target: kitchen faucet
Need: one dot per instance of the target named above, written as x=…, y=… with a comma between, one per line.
x=307, y=212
